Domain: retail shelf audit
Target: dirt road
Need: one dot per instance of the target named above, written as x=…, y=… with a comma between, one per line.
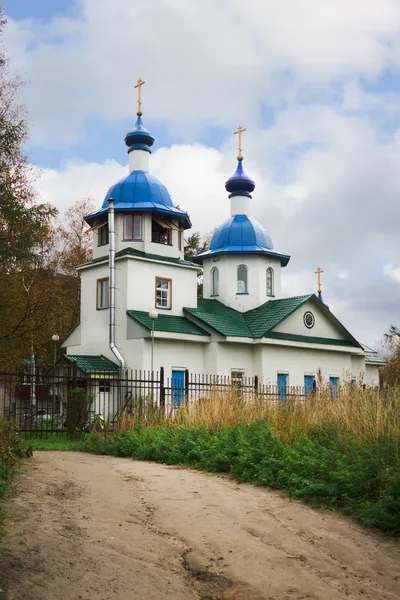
x=99, y=528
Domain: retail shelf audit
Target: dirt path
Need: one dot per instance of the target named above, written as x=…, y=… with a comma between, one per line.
x=97, y=528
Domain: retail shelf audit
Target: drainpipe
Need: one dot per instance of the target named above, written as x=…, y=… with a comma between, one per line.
x=112, y=270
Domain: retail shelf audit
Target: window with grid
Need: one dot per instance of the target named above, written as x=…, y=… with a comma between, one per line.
x=163, y=293
x=132, y=227
x=102, y=235
x=102, y=293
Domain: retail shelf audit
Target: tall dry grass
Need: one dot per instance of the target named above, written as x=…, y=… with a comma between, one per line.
x=366, y=413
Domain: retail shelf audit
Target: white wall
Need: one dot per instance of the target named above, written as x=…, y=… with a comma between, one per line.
x=371, y=374
x=300, y=361
x=322, y=328
x=256, y=277
x=141, y=282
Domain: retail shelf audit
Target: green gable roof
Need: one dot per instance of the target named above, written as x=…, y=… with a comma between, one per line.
x=254, y=323
x=220, y=318
x=132, y=252
x=259, y=322
x=92, y=363
x=167, y=323
x=267, y=316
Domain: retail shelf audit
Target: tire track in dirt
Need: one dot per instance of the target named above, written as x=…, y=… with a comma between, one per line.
x=94, y=528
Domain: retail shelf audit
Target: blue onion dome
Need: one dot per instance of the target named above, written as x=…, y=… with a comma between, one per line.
x=241, y=235
x=240, y=184
x=140, y=192
x=139, y=138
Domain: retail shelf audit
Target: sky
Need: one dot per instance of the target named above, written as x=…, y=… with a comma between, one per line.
x=316, y=84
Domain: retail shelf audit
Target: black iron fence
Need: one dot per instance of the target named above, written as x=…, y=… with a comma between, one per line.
x=71, y=401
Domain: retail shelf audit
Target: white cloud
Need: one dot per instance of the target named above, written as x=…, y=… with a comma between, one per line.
x=392, y=272
x=214, y=61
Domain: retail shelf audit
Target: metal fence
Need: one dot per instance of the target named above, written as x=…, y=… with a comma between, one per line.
x=59, y=402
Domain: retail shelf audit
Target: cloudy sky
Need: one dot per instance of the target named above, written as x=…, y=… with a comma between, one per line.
x=315, y=82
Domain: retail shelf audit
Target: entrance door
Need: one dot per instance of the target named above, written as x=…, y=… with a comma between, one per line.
x=334, y=385
x=308, y=384
x=282, y=386
x=178, y=388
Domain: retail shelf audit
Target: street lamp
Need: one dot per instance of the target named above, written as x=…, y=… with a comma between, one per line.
x=153, y=314
x=55, y=338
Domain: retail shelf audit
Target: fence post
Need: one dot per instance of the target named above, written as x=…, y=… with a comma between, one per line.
x=256, y=385
x=187, y=387
x=162, y=388
x=74, y=373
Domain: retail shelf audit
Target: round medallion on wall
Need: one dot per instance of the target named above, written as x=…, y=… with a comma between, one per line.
x=309, y=319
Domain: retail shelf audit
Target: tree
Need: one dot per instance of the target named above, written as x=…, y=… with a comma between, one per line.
x=75, y=242
x=20, y=217
x=24, y=224
x=195, y=245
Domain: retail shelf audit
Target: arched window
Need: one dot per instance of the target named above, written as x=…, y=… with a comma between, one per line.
x=214, y=281
x=242, y=279
x=270, y=281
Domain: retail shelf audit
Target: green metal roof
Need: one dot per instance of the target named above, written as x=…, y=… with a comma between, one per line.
x=167, y=323
x=254, y=323
x=260, y=321
x=309, y=339
x=267, y=316
x=221, y=318
x=132, y=252
x=92, y=363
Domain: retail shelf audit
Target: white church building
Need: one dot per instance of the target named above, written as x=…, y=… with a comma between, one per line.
x=242, y=326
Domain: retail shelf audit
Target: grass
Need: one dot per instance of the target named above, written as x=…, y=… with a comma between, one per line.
x=343, y=454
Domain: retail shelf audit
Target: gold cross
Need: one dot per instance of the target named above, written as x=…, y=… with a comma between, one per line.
x=240, y=130
x=138, y=85
x=318, y=272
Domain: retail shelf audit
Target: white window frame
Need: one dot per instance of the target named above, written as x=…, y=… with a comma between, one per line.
x=270, y=282
x=214, y=281
x=102, y=293
x=239, y=281
x=163, y=297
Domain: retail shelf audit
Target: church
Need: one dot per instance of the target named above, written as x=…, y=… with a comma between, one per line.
x=139, y=304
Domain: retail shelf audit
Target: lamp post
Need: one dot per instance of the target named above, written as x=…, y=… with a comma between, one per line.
x=153, y=314
x=55, y=338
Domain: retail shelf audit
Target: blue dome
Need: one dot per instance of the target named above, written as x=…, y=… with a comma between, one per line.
x=240, y=184
x=139, y=138
x=241, y=235
x=140, y=192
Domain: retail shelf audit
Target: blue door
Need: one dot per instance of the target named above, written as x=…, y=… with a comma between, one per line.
x=282, y=386
x=308, y=384
x=334, y=385
x=178, y=388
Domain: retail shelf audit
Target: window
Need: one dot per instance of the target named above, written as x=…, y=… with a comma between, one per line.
x=180, y=236
x=161, y=234
x=237, y=376
x=102, y=235
x=214, y=281
x=242, y=279
x=132, y=227
x=104, y=386
x=270, y=281
x=163, y=293
x=309, y=319
x=102, y=300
